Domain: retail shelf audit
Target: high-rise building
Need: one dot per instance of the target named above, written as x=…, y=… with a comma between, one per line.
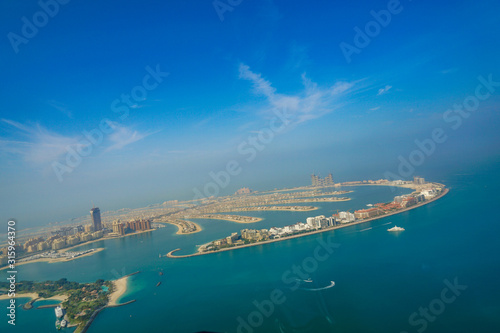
x=118, y=228
x=418, y=180
x=95, y=213
x=318, y=181
x=314, y=180
x=244, y=190
x=328, y=180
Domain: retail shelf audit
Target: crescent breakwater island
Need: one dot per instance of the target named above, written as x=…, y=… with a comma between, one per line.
x=423, y=194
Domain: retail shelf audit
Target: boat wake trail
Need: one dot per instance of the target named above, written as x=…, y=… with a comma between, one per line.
x=318, y=289
x=365, y=229
x=387, y=223
x=308, y=280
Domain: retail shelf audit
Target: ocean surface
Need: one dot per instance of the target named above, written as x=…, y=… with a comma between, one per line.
x=383, y=281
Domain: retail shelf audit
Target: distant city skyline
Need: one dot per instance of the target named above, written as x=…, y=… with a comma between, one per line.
x=148, y=101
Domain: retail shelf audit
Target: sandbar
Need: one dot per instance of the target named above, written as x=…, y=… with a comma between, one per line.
x=120, y=289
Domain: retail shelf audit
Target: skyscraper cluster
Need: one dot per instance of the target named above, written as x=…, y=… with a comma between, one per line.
x=318, y=181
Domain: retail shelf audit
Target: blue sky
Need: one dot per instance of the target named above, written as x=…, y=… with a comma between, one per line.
x=226, y=81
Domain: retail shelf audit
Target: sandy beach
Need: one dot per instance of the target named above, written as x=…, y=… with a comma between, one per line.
x=120, y=289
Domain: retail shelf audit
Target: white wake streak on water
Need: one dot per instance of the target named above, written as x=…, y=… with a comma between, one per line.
x=318, y=289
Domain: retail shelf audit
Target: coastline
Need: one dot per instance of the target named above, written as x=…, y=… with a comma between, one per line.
x=171, y=255
x=271, y=210
x=179, y=228
x=104, y=238
x=120, y=286
x=31, y=296
x=257, y=219
x=53, y=261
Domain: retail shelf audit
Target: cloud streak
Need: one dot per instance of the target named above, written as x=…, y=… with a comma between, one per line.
x=311, y=103
x=384, y=90
x=123, y=136
x=40, y=146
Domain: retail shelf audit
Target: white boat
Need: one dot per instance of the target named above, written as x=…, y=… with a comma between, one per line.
x=64, y=323
x=396, y=228
x=59, y=312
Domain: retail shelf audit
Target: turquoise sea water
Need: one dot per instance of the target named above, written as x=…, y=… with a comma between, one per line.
x=381, y=278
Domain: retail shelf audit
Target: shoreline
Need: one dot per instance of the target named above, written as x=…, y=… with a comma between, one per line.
x=179, y=228
x=171, y=255
x=274, y=210
x=34, y=296
x=66, y=249
x=121, y=286
x=180, y=232
x=258, y=219
x=58, y=260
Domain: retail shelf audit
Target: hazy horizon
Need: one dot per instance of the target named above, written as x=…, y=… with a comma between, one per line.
x=271, y=67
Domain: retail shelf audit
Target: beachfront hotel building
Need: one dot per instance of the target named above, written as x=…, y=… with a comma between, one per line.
x=366, y=213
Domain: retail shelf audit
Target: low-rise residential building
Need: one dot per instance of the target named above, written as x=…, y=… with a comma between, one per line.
x=367, y=213
x=58, y=244
x=85, y=237
x=72, y=240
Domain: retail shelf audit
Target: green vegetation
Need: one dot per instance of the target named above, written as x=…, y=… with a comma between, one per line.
x=83, y=301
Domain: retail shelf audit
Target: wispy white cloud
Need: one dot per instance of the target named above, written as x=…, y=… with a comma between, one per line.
x=384, y=90
x=375, y=108
x=311, y=103
x=123, y=136
x=39, y=145
x=260, y=85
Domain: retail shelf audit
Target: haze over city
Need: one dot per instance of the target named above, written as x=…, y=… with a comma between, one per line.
x=229, y=73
